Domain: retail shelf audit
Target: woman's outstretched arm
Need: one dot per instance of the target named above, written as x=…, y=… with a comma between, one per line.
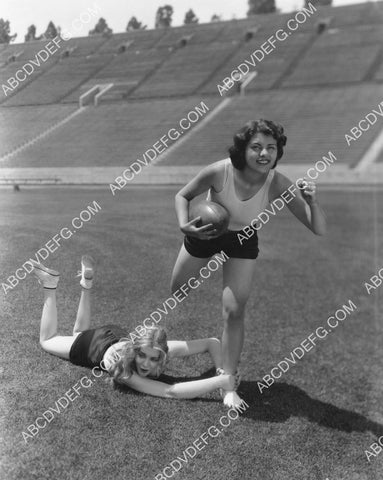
x=185, y=390
x=179, y=348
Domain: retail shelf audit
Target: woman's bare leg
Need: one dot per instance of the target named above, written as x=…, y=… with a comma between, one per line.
x=186, y=267
x=83, y=312
x=86, y=282
x=49, y=340
x=48, y=324
x=237, y=282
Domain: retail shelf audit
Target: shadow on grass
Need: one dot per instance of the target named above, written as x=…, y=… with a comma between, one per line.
x=282, y=401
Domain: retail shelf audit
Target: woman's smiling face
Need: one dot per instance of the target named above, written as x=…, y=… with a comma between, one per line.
x=261, y=153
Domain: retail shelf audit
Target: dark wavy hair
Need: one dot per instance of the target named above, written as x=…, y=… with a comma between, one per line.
x=244, y=135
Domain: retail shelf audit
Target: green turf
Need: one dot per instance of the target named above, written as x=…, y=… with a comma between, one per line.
x=314, y=423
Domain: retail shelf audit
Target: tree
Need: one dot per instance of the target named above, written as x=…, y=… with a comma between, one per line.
x=261, y=6
x=5, y=32
x=50, y=32
x=318, y=2
x=101, y=28
x=164, y=17
x=190, y=18
x=134, y=24
x=31, y=34
x=216, y=18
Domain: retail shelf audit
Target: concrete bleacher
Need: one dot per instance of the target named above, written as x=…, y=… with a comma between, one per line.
x=84, y=46
x=379, y=73
x=317, y=85
x=185, y=70
x=141, y=39
x=268, y=70
x=204, y=33
x=66, y=75
x=315, y=121
x=111, y=135
x=154, y=64
x=359, y=14
x=125, y=71
x=361, y=35
x=23, y=51
x=19, y=125
x=11, y=68
x=340, y=65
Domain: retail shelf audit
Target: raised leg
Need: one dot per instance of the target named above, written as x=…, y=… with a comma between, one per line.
x=49, y=340
x=48, y=324
x=83, y=312
x=186, y=267
x=86, y=282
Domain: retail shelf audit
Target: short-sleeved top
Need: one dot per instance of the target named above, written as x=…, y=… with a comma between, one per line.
x=242, y=212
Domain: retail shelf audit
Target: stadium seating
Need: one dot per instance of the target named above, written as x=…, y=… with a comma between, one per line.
x=156, y=64
x=337, y=66
x=9, y=71
x=84, y=46
x=141, y=40
x=19, y=125
x=205, y=34
x=338, y=56
x=185, y=70
x=158, y=75
x=113, y=135
x=57, y=82
x=268, y=70
x=315, y=119
x=125, y=71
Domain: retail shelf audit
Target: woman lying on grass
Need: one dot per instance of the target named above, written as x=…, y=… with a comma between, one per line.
x=131, y=364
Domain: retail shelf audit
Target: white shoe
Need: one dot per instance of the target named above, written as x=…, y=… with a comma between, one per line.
x=232, y=400
x=47, y=278
x=87, y=272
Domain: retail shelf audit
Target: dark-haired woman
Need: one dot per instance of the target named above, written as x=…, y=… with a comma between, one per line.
x=245, y=184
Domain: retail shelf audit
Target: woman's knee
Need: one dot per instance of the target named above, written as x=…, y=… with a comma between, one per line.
x=233, y=305
x=234, y=311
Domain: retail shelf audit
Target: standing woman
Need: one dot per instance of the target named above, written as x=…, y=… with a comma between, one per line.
x=244, y=184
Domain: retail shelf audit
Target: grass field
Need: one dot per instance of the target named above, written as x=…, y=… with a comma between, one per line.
x=315, y=423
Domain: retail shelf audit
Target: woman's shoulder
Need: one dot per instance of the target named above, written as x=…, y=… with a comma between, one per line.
x=279, y=184
x=280, y=180
x=219, y=166
x=218, y=171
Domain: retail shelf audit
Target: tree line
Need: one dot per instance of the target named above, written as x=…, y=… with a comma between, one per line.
x=164, y=18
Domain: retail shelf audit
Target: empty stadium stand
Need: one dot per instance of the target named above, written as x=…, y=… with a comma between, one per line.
x=318, y=82
x=63, y=77
x=315, y=119
x=116, y=136
x=192, y=60
x=19, y=125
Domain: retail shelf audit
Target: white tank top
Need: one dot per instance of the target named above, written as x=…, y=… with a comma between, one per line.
x=242, y=212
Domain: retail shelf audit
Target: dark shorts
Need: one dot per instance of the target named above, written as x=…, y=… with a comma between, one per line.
x=90, y=346
x=228, y=242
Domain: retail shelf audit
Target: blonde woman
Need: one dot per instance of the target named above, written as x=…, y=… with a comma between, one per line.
x=135, y=365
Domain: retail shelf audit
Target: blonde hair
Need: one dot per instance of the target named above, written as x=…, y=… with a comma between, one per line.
x=125, y=352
